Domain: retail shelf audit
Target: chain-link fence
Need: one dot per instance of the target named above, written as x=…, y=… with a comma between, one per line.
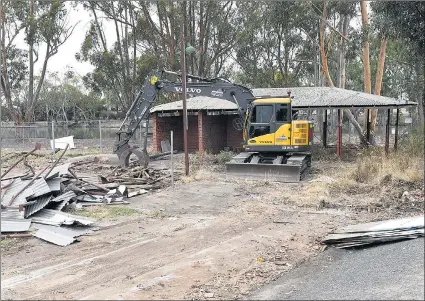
x=94, y=135
x=100, y=135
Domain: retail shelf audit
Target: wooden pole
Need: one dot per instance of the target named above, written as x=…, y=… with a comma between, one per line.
x=183, y=78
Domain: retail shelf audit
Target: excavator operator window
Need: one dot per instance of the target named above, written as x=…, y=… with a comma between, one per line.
x=282, y=113
x=262, y=114
x=261, y=117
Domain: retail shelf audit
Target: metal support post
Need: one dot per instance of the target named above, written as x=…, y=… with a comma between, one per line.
x=172, y=163
x=397, y=119
x=368, y=126
x=387, y=133
x=325, y=128
x=339, y=136
x=53, y=138
x=100, y=136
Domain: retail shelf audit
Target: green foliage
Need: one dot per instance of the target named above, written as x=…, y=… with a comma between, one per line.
x=225, y=156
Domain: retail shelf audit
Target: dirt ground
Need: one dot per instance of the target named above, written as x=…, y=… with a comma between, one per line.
x=209, y=237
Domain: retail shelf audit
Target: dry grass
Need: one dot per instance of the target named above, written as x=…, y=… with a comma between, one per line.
x=105, y=212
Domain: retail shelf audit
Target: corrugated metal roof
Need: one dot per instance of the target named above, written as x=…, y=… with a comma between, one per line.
x=12, y=213
x=60, y=205
x=54, y=184
x=64, y=230
x=197, y=103
x=39, y=204
x=39, y=187
x=13, y=189
x=15, y=225
x=325, y=97
x=60, y=170
x=64, y=196
x=54, y=237
x=55, y=217
x=304, y=97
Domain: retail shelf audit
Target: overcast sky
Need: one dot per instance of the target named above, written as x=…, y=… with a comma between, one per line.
x=66, y=54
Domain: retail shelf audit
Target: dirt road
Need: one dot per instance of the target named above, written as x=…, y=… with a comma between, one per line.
x=212, y=240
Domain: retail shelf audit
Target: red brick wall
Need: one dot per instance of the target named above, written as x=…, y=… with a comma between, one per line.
x=212, y=132
x=206, y=133
x=162, y=126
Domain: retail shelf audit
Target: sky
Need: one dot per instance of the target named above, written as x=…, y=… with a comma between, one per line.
x=65, y=58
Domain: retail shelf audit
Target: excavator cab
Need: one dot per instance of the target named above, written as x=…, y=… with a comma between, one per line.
x=276, y=144
x=270, y=127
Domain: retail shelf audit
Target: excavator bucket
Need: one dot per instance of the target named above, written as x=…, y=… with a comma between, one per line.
x=292, y=171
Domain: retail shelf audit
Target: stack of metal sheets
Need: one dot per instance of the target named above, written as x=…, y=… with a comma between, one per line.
x=377, y=232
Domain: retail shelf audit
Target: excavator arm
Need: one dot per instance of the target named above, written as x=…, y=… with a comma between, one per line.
x=158, y=83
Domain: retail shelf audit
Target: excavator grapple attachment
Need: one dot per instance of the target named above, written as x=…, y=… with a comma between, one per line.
x=141, y=154
x=251, y=166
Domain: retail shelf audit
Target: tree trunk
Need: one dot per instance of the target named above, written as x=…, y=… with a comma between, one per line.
x=31, y=61
x=366, y=55
x=420, y=73
x=378, y=82
x=325, y=71
x=4, y=80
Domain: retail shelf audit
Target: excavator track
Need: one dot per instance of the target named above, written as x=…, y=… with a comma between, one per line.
x=276, y=167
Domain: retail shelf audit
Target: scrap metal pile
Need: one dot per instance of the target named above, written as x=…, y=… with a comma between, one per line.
x=377, y=232
x=37, y=204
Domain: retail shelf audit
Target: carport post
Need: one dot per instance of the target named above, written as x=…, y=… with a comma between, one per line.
x=368, y=126
x=396, y=129
x=339, y=135
x=387, y=133
x=325, y=128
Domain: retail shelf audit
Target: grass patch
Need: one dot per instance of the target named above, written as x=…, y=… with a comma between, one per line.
x=9, y=243
x=105, y=212
x=159, y=215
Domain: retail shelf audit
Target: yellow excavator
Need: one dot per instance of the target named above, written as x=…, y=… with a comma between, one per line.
x=276, y=145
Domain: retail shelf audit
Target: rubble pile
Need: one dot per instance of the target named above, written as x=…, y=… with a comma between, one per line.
x=41, y=201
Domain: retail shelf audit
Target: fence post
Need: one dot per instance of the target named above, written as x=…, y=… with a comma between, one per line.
x=172, y=167
x=100, y=136
x=23, y=135
x=140, y=133
x=53, y=139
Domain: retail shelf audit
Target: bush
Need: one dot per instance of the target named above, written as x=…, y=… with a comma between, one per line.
x=225, y=156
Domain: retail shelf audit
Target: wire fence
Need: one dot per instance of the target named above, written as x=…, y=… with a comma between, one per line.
x=100, y=135
x=92, y=135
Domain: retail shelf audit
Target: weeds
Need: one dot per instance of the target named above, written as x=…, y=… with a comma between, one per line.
x=107, y=212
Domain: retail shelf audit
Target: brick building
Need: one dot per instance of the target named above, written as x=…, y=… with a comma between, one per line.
x=212, y=125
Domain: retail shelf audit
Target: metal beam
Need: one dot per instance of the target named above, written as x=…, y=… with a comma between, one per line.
x=325, y=128
x=339, y=136
x=368, y=127
x=397, y=119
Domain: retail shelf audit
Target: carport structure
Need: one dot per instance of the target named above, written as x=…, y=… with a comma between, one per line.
x=327, y=98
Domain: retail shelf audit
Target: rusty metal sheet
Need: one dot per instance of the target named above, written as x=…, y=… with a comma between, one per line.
x=16, y=186
x=15, y=225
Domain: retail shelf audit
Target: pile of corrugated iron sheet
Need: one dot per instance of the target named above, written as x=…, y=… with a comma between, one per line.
x=377, y=232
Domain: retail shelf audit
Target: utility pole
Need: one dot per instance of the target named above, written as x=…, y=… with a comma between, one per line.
x=1, y=98
x=183, y=79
